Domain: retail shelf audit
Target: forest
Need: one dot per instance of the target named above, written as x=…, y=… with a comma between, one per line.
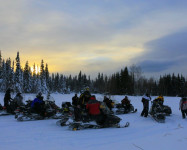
x=127, y=81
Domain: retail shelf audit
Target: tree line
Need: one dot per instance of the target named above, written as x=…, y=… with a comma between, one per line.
x=127, y=81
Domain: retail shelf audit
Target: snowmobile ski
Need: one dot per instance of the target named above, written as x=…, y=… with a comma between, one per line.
x=4, y=113
x=127, y=124
x=30, y=118
x=81, y=126
x=62, y=122
x=160, y=118
x=134, y=111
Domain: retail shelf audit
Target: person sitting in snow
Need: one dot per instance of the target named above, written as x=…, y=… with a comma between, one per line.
x=126, y=104
x=97, y=112
x=93, y=107
x=38, y=104
x=108, y=102
x=18, y=100
x=145, y=100
x=183, y=107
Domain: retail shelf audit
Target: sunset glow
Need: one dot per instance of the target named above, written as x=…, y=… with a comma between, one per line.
x=96, y=36
x=36, y=70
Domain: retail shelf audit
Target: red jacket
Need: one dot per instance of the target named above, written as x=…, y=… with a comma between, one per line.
x=93, y=107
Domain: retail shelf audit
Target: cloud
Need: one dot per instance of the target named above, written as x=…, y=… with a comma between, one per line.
x=90, y=35
x=166, y=53
x=156, y=66
x=168, y=47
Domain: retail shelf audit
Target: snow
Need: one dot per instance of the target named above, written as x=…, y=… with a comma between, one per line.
x=142, y=134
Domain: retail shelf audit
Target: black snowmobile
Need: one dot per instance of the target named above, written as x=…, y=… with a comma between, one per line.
x=122, y=109
x=10, y=111
x=24, y=108
x=167, y=110
x=3, y=111
x=109, y=120
x=67, y=108
x=157, y=112
x=26, y=113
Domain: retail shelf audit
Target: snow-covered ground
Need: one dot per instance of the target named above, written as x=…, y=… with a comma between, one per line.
x=142, y=134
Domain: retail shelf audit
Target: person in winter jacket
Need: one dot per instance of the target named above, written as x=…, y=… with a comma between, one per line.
x=76, y=106
x=108, y=102
x=145, y=100
x=183, y=107
x=126, y=104
x=84, y=97
x=75, y=100
x=38, y=104
x=18, y=100
x=160, y=100
x=7, y=100
x=93, y=107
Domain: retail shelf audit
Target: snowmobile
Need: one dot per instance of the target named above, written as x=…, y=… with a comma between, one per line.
x=167, y=110
x=26, y=113
x=20, y=110
x=50, y=105
x=3, y=111
x=120, y=109
x=10, y=111
x=67, y=108
x=111, y=121
x=157, y=112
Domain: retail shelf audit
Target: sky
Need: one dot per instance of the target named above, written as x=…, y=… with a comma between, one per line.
x=96, y=35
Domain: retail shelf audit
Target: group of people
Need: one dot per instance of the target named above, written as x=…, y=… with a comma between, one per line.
x=160, y=100
x=87, y=103
x=10, y=104
x=94, y=109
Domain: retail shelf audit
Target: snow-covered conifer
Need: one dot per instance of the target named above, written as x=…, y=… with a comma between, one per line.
x=27, y=78
x=44, y=88
x=18, y=75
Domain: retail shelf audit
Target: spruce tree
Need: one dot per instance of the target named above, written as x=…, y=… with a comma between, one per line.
x=27, y=84
x=47, y=77
x=1, y=68
x=18, y=75
x=3, y=82
x=43, y=78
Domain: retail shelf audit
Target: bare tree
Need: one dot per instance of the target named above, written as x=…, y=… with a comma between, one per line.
x=136, y=74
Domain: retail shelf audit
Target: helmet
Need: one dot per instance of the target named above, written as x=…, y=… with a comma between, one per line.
x=147, y=94
x=40, y=93
x=87, y=89
x=18, y=94
x=92, y=97
x=161, y=97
